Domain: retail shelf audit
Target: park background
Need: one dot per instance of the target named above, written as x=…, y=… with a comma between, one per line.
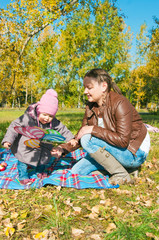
x=51, y=44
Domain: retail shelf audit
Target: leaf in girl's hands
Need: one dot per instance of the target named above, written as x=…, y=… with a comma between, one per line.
x=30, y=132
x=50, y=131
x=53, y=138
x=33, y=143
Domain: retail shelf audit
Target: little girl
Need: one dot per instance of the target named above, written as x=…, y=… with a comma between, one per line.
x=112, y=131
x=41, y=114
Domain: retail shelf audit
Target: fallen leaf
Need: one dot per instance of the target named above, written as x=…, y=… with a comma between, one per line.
x=2, y=212
x=110, y=227
x=107, y=202
x=14, y=215
x=92, y=215
x=77, y=232
x=120, y=211
x=68, y=202
x=6, y=223
x=48, y=207
x=9, y=231
x=77, y=209
x=21, y=225
x=95, y=209
x=148, y=203
x=58, y=188
x=81, y=197
x=95, y=236
x=150, y=235
x=101, y=194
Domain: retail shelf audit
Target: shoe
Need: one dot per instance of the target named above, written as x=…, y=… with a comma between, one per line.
x=134, y=171
x=42, y=175
x=119, y=175
x=26, y=181
x=114, y=180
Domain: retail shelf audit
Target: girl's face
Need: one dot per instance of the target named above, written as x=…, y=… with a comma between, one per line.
x=45, y=118
x=94, y=90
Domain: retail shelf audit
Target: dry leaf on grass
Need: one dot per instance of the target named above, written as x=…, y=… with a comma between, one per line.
x=68, y=202
x=14, y=215
x=2, y=212
x=77, y=209
x=110, y=227
x=92, y=215
x=95, y=209
x=77, y=232
x=21, y=225
x=9, y=231
x=107, y=202
x=95, y=236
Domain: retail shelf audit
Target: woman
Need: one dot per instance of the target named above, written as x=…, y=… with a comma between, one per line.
x=112, y=131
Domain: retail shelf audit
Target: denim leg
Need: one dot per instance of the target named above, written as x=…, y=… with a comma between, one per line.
x=123, y=155
x=22, y=170
x=85, y=166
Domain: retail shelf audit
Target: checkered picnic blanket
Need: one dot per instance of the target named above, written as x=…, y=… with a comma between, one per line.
x=59, y=174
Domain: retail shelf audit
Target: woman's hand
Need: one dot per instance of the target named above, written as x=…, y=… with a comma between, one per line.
x=56, y=152
x=84, y=130
x=73, y=142
x=7, y=145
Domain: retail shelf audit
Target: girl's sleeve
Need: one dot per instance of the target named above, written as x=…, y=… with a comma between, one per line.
x=62, y=129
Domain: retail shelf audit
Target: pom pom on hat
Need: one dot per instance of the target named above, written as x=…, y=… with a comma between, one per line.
x=48, y=103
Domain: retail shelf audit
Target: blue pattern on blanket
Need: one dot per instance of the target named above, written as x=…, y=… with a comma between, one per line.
x=59, y=174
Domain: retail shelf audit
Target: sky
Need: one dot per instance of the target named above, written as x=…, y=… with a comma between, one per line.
x=137, y=12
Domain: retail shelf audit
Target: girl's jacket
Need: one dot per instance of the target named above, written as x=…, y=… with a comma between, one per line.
x=32, y=156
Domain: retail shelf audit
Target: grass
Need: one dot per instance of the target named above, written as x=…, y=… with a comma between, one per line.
x=130, y=212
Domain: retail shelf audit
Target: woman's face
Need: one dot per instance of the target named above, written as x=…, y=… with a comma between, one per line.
x=94, y=90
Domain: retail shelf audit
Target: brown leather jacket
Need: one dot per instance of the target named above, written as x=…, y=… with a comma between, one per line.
x=123, y=125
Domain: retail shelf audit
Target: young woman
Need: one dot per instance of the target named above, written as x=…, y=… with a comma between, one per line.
x=112, y=131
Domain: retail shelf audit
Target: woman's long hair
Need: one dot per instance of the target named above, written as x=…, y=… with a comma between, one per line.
x=100, y=75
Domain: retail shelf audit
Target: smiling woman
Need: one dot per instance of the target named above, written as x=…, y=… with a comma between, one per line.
x=112, y=131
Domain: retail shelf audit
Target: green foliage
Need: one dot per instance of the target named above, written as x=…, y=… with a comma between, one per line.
x=51, y=44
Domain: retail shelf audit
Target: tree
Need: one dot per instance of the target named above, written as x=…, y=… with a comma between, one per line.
x=92, y=40
x=21, y=22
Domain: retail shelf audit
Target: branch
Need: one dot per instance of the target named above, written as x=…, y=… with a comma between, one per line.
x=29, y=38
x=40, y=29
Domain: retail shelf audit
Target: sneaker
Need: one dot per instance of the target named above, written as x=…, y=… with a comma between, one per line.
x=42, y=175
x=26, y=181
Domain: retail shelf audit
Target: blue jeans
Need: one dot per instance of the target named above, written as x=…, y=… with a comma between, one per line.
x=91, y=144
x=23, y=172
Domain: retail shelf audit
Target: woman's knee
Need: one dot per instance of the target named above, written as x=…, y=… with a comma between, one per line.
x=85, y=140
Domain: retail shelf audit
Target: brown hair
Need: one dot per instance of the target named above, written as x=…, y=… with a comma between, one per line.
x=100, y=75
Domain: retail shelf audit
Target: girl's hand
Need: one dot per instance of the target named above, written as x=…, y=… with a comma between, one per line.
x=7, y=145
x=73, y=142
x=56, y=152
x=84, y=130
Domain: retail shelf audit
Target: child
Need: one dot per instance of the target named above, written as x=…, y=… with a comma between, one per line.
x=112, y=131
x=41, y=114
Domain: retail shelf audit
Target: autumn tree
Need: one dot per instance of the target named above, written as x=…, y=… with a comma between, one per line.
x=21, y=22
x=91, y=40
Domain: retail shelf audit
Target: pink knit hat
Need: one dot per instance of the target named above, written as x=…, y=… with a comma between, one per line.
x=48, y=103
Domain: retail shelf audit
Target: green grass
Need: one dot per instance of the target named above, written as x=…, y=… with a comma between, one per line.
x=130, y=212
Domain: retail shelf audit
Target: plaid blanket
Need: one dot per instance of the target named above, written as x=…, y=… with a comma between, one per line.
x=59, y=174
